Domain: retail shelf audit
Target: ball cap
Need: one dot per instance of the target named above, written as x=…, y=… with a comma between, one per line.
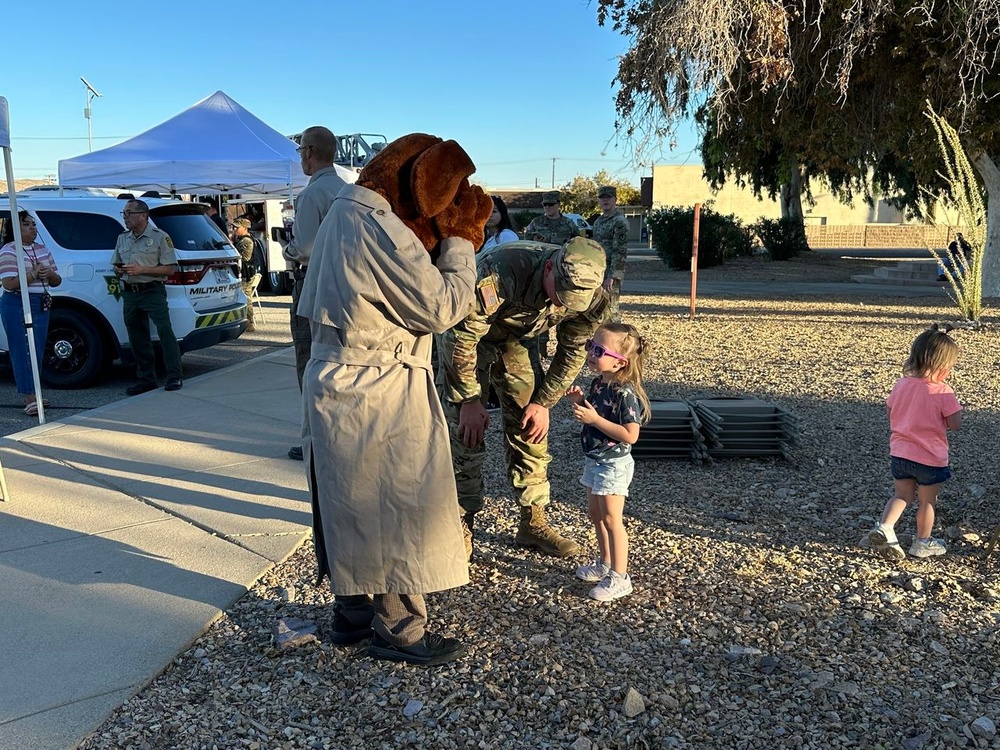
x=607, y=191
x=241, y=222
x=552, y=196
x=579, y=267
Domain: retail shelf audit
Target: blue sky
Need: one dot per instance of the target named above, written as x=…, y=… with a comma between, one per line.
x=517, y=83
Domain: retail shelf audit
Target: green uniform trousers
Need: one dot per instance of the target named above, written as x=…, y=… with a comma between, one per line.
x=139, y=308
x=515, y=382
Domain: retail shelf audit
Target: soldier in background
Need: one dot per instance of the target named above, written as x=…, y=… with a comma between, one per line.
x=554, y=228
x=245, y=247
x=551, y=226
x=523, y=289
x=611, y=230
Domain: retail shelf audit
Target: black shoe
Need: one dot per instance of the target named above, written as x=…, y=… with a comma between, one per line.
x=295, y=453
x=135, y=390
x=344, y=632
x=430, y=650
x=173, y=384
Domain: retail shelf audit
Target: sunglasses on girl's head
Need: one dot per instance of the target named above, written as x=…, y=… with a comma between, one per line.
x=599, y=351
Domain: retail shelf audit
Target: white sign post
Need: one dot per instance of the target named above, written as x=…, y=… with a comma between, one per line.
x=22, y=275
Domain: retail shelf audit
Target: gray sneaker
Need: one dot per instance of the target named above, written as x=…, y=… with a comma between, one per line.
x=612, y=587
x=885, y=548
x=931, y=548
x=593, y=572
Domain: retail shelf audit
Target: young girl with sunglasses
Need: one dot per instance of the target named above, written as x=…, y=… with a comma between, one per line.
x=611, y=412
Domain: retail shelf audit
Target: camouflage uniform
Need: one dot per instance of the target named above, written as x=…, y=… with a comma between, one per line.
x=244, y=245
x=557, y=231
x=612, y=233
x=511, y=309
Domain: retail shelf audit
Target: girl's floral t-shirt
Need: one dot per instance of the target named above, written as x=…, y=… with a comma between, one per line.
x=617, y=403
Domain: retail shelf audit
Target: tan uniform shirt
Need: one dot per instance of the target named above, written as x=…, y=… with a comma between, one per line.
x=151, y=248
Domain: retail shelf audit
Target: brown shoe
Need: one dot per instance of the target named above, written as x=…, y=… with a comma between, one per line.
x=534, y=531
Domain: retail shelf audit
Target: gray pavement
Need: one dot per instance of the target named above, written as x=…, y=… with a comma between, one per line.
x=128, y=529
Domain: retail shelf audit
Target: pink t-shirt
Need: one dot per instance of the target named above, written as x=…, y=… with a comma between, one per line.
x=918, y=409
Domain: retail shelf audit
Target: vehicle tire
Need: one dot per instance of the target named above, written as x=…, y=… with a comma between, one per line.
x=76, y=354
x=280, y=281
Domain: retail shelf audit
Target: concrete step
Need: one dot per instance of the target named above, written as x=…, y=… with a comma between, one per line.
x=866, y=278
x=901, y=272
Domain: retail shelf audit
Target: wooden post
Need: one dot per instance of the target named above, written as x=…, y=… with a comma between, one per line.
x=694, y=259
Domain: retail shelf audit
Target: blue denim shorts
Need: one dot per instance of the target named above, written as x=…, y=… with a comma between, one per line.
x=925, y=476
x=608, y=476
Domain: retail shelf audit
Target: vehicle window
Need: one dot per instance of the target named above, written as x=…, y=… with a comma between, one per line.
x=81, y=231
x=190, y=231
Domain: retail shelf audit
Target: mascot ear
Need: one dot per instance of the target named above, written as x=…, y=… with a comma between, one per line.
x=437, y=175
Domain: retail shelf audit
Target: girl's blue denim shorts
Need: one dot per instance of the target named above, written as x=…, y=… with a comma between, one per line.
x=608, y=476
x=925, y=476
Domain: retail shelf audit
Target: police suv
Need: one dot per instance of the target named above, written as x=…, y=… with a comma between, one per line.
x=86, y=329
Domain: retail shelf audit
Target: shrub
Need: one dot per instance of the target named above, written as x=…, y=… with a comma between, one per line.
x=720, y=238
x=783, y=238
x=521, y=219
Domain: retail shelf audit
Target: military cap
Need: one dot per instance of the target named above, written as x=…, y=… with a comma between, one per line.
x=579, y=268
x=242, y=222
x=552, y=196
x=607, y=191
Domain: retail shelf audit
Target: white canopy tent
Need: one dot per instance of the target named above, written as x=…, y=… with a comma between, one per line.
x=216, y=146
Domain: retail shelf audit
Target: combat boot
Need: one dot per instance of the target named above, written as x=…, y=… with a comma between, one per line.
x=467, y=519
x=534, y=531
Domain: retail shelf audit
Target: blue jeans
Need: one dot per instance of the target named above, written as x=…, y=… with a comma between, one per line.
x=17, y=342
x=923, y=475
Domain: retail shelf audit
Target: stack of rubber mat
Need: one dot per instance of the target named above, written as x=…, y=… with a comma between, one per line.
x=746, y=427
x=673, y=431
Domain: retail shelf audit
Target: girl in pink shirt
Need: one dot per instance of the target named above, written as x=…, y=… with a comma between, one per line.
x=922, y=408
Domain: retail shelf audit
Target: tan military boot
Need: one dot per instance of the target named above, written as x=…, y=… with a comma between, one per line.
x=467, y=519
x=534, y=531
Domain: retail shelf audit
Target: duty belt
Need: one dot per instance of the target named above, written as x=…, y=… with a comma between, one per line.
x=140, y=286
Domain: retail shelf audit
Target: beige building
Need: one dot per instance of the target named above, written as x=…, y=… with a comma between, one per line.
x=685, y=186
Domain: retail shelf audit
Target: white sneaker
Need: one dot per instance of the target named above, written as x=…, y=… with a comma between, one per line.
x=595, y=571
x=930, y=548
x=612, y=587
x=888, y=550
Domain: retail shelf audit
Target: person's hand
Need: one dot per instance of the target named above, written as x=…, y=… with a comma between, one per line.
x=575, y=394
x=473, y=419
x=585, y=413
x=133, y=269
x=42, y=272
x=608, y=284
x=535, y=422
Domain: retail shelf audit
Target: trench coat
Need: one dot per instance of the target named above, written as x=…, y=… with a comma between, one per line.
x=377, y=452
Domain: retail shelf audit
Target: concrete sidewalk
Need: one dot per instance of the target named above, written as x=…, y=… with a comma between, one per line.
x=128, y=530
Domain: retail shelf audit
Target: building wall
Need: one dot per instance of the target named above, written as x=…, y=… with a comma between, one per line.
x=684, y=186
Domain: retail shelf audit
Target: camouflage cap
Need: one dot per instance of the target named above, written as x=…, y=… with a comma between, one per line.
x=607, y=191
x=242, y=222
x=552, y=196
x=579, y=265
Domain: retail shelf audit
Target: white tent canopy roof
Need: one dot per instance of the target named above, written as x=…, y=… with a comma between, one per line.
x=216, y=146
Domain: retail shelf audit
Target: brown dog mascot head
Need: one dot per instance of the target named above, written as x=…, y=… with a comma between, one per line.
x=426, y=181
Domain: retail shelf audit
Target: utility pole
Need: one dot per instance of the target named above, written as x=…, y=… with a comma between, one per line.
x=91, y=93
x=553, y=173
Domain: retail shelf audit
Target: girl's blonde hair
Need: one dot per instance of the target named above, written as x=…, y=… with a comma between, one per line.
x=933, y=351
x=633, y=347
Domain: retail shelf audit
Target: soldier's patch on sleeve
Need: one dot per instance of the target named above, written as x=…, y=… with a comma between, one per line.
x=166, y=238
x=489, y=297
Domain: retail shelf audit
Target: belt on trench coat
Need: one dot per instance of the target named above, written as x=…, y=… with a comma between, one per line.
x=368, y=357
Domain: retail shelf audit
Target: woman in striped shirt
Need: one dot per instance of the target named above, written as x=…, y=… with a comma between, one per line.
x=41, y=273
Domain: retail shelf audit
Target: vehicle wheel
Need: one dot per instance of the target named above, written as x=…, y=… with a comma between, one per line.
x=281, y=282
x=75, y=353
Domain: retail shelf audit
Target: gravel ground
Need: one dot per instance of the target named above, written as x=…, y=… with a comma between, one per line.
x=758, y=620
